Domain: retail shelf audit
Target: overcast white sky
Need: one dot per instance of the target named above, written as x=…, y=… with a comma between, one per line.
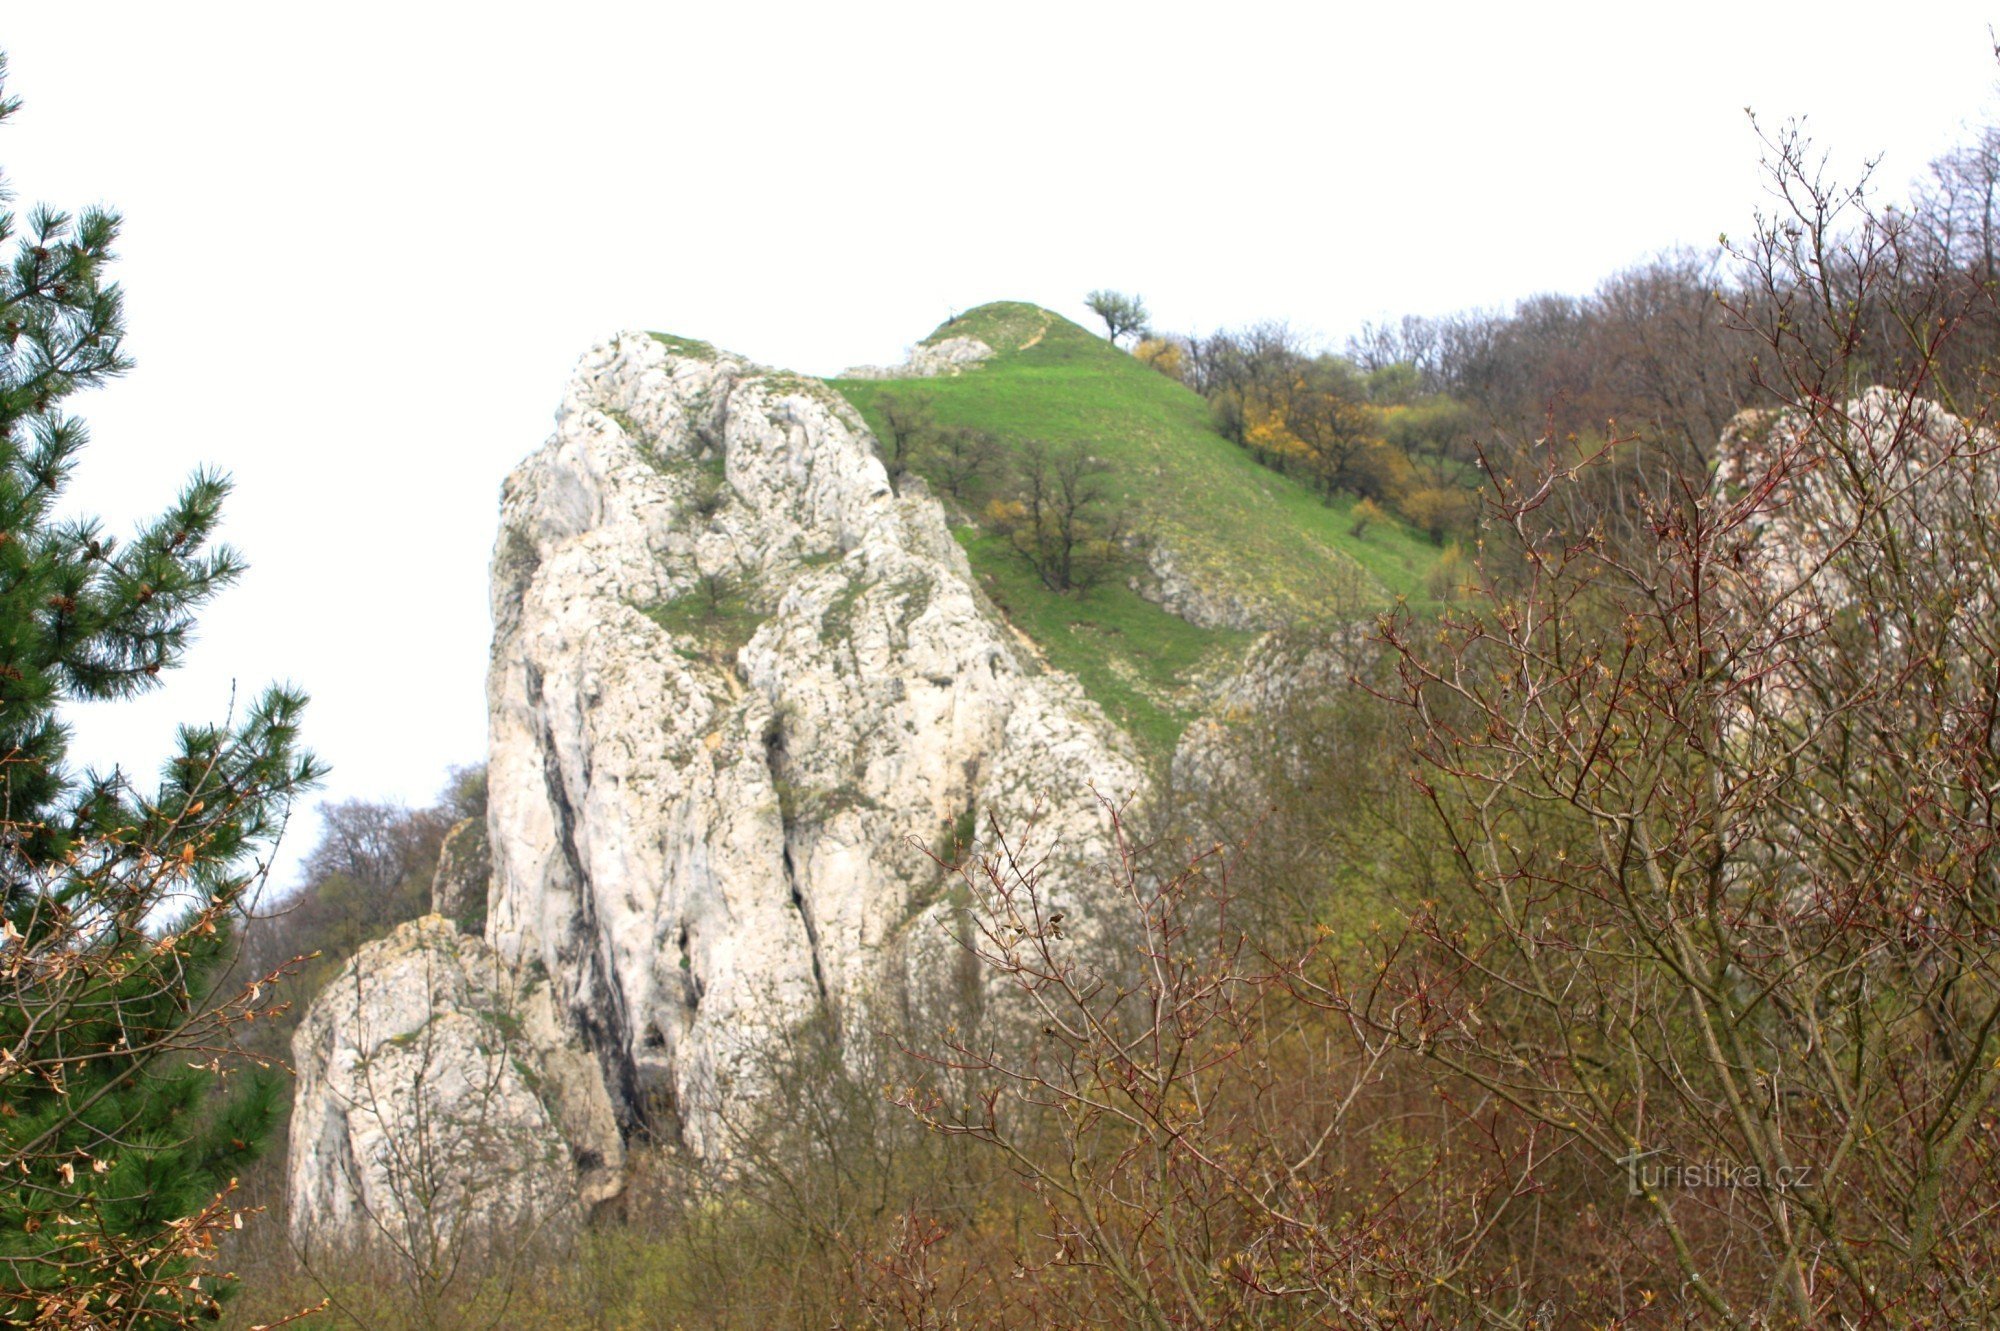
x=364, y=242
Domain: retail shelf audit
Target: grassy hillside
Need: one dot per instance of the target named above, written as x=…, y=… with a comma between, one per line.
x=1232, y=524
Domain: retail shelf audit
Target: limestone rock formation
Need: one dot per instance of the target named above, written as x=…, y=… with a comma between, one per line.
x=1836, y=489
x=1866, y=527
x=1247, y=746
x=737, y=684
x=464, y=868
x=1170, y=587
x=437, y=1093
x=738, y=687
x=947, y=355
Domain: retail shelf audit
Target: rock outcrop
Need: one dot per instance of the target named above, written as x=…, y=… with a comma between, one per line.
x=1167, y=585
x=464, y=869
x=438, y=1092
x=1832, y=498
x=1257, y=738
x=738, y=686
x=947, y=355
x=1864, y=528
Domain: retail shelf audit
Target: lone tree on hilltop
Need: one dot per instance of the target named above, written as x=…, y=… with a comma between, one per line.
x=1121, y=313
x=115, y=901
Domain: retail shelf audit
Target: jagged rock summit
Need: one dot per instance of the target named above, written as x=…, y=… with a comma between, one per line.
x=738, y=685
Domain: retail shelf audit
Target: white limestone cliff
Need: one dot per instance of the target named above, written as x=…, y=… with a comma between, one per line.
x=738, y=687
x=737, y=684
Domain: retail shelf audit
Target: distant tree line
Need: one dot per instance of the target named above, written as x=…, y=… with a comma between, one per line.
x=369, y=871
x=1380, y=435
x=1654, y=363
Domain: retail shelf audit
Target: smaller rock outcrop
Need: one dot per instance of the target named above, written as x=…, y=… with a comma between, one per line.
x=1252, y=741
x=1863, y=527
x=950, y=355
x=464, y=868
x=1885, y=480
x=438, y=1095
x=1166, y=584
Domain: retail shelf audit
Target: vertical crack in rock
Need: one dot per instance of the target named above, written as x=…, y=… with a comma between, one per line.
x=711, y=425
x=804, y=908
x=774, y=761
x=598, y=1003
x=691, y=990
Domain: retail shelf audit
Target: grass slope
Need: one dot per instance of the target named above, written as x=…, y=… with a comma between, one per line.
x=1142, y=665
x=1231, y=523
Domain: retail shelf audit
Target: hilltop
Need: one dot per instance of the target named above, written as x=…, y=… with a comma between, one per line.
x=1243, y=533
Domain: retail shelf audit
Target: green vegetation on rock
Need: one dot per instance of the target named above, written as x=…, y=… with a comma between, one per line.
x=685, y=346
x=717, y=614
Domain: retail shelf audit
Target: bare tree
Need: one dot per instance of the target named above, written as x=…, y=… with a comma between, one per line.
x=1723, y=808
x=1189, y=1130
x=1957, y=206
x=371, y=843
x=963, y=460
x=1063, y=519
x=907, y=422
